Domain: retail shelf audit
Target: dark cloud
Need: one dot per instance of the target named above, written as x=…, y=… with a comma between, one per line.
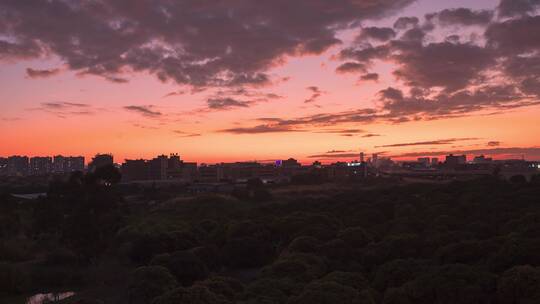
x=494, y=143
x=175, y=93
x=315, y=94
x=381, y=34
x=351, y=67
x=115, y=79
x=200, y=43
x=186, y=134
x=305, y=123
x=515, y=36
x=462, y=16
x=533, y=152
x=236, y=98
x=397, y=104
x=406, y=22
x=63, y=105
x=365, y=54
x=371, y=135
x=453, y=39
x=447, y=65
x=428, y=143
x=337, y=151
x=498, y=71
x=10, y=119
x=41, y=73
x=226, y=103
x=451, y=66
x=260, y=129
x=138, y=125
x=335, y=155
x=510, y=8
x=22, y=49
x=518, y=49
x=63, y=109
x=145, y=110
x=343, y=131
x=370, y=77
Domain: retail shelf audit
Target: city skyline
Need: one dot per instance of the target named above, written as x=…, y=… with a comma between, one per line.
x=404, y=79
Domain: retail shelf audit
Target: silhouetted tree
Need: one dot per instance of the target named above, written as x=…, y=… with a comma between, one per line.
x=226, y=287
x=255, y=183
x=520, y=284
x=147, y=283
x=330, y=293
x=192, y=295
x=247, y=252
x=518, y=179
x=109, y=174
x=185, y=266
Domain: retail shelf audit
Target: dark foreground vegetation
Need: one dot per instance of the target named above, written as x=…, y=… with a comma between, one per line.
x=472, y=242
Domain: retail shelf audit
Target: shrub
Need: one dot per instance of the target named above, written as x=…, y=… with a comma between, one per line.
x=146, y=283
x=11, y=279
x=247, y=253
x=192, y=295
x=330, y=293
x=520, y=284
x=223, y=286
x=185, y=266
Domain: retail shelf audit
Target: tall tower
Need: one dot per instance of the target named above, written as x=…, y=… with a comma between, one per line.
x=361, y=157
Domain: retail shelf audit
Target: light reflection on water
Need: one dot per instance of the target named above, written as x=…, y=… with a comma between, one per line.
x=43, y=298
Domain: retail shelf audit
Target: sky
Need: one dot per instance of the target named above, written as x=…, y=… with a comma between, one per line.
x=237, y=80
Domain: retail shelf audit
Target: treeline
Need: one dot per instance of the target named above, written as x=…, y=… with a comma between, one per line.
x=466, y=242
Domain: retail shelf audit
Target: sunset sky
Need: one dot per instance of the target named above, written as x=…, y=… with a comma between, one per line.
x=232, y=80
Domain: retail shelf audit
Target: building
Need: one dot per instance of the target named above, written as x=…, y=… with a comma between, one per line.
x=210, y=173
x=3, y=166
x=375, y=160
x=17, y=165
x=40, y=166
x=100, y=160
x=290, y=163
x=482, y=160
x=361, y=157
x=158, y=167
x=189, y=171
x=133, y=170
x=174, y=167
x=434, y=162
x=453, y=161
x=75, y=163
x=425, y=161
x=63, y=165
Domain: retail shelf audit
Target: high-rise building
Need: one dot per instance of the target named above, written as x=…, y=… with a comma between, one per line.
x=424, y=161
x=100, y=160
x=434, y=162
x=17, y=165
x=135, y=170
x=62, y=164
x=3, y=166
x=290, y=163
x=75, y=163
x=482, y=160
x=211, y=173
x=375, y=159
x=59, y=164
x=453, y=161
x=158, y=167
x=361, y=157
x=40, y=166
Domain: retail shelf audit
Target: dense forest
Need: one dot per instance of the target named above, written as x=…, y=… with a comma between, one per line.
x=366, y=242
